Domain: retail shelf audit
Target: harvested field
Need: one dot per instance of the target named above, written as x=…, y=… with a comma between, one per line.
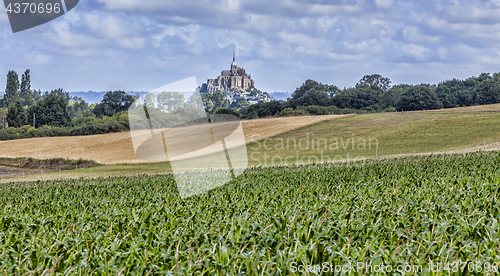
x=117, y=148
x=476, y=108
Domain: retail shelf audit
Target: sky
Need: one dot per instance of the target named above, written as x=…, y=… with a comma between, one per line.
x=139, y=45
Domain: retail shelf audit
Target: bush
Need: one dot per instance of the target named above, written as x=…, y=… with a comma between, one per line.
x=87, y=120
x=419, y=97
x=26, y=131
x=221, y=110
x=289, y=112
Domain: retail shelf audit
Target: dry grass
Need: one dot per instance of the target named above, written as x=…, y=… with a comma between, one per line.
x=117, y=148
x=477, y=108
x=445, y=132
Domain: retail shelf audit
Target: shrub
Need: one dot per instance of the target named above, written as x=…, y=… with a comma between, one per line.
x=289, y=112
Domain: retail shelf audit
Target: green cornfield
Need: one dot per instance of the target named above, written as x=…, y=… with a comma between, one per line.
x=432, y=215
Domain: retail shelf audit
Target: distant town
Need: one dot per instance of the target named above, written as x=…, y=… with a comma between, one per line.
x=236, y=85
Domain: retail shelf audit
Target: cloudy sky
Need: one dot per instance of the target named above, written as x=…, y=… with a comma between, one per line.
x=143, y=44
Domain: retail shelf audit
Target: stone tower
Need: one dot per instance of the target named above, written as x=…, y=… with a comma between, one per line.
x=231, y=80
x=234, y=68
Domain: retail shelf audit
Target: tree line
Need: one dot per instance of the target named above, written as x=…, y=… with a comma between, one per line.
x=29, y=113
x=374, y=93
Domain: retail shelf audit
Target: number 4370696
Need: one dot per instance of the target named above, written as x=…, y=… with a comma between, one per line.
x=33, y=8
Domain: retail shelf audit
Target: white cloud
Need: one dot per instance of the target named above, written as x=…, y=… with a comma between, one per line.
x=40, y=59
x=198, y=48
x=260, y=23
x=344, y=57
x=3, y=15
x=442, y=52
x=186, y=33
x=131, y=43
x=472, y=12
x=367, y=27
x=112, y=26
x=243, y=41
x=296, y=38
x=343, y=38
x=413, y=34
x=63, y=35
x=266, y=50
x=419, y=52
x=386, y=4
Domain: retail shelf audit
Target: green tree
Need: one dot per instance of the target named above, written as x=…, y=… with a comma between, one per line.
x=3, y=114
x=209, y=105
x=11, y=89
x=214, y=100
x=149, y=100
x=418, y=98
x=483, y=77
x=306, y=86
x=313, y=97
x=343, y=99
x=77, y=107
x=221, y=110
x=219, y=100
x=391, y=97
x=487, y=92
x=299, y=97
x=170, y=101
x=36, y=95
x=25, y=91
x=16, y=115
x=113, y=102
x=375, y=81
x=366, y=97
x=51, y=110
x=177, y=100
x=253, y=114
x=242, y=103
x=164, y=101
x=332, y=91
x=265, y=109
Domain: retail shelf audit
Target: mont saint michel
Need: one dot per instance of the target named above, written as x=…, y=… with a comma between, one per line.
x=231, y=80
x=236, y=85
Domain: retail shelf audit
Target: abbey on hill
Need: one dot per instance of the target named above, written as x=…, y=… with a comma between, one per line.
x=237, y=85
x=230, y=80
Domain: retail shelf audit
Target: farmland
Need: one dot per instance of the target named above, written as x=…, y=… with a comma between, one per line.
x=382, y=134
x=387, y=135
x=414, y=210
x=117, y=148
x=396, y=133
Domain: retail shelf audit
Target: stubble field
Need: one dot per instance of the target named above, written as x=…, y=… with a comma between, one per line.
x=117, y=148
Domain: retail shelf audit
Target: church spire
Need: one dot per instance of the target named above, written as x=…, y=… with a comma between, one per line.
x=233, y=64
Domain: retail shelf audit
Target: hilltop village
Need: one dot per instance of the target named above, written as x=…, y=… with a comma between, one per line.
x=236, y=85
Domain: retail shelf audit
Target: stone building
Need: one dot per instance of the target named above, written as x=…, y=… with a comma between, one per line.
x=230, y=80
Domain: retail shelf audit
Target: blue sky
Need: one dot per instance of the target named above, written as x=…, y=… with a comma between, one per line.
x=143, y=44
